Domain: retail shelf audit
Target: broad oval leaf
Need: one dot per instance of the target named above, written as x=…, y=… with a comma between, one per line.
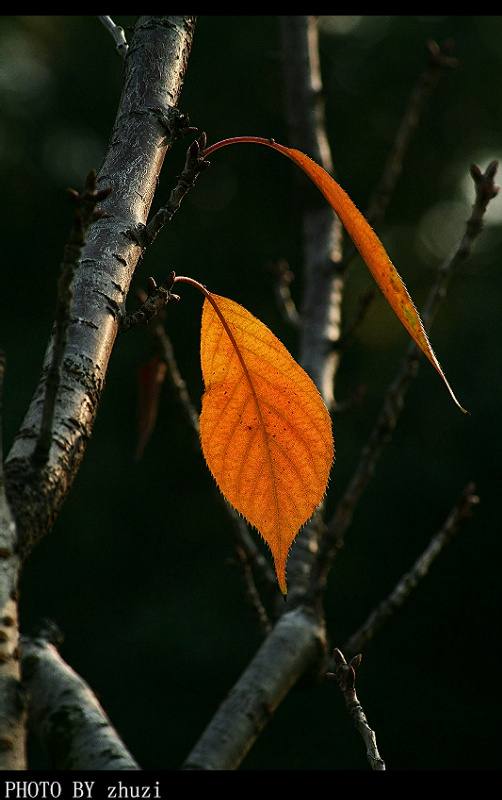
x=265, y=431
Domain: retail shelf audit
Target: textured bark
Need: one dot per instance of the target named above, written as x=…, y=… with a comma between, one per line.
x=12, y=705
x=66, y=714
x=322, y=231
x=320, y=317
x=295, y=644
x=132, y=165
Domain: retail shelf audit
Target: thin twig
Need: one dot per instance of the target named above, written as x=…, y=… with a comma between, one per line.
x=195, y=163
x=485, y=191
x=283, y=277
x=394, y=398
x=245, y=562
x=410, y=580
x=177, y=381
x=351, y=402
x=117, y=34
x=249, y=557
x=345, y=676
x=361, y=311
x=439, y=60
x=84, y=215
x=154, y=301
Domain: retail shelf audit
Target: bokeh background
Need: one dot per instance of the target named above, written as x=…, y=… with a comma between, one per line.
x=135, y=570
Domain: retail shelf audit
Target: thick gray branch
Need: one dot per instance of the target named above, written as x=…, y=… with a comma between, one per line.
x=322, y=231
x=321, y=304
x=12, y=708
x=295, y=646
x=66, y=714
x=296, y=643
x=154, y=71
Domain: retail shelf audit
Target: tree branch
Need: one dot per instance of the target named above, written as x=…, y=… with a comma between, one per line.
x=439, y=60
x=320, y=315
x=194, y=165
x=64, y=712
x=84, y=215
x=294, y=645
x=153, y=302
x=283, y=277
x=345, y=676
x=322, y=231
x=461, y=511
x=117, y=34
x=249, y=557
x=12, y=699
x=394, y=398
x=132, y=165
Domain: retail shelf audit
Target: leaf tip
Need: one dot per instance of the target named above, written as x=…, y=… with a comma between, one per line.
x=280, y=573
x=427, y=349
x=464, y=410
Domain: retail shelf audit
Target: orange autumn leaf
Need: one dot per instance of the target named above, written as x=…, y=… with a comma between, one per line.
x=265, y=431
x=366, y=241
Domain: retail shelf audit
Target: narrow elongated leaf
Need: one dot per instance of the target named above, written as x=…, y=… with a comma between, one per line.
x=151, y=377
x=265, y=431
x=366, y=241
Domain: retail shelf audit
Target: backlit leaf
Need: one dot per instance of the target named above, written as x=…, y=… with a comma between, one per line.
x=366, y=241
x=265, y=431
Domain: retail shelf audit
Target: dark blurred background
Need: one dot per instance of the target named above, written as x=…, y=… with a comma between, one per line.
x=135, y=570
